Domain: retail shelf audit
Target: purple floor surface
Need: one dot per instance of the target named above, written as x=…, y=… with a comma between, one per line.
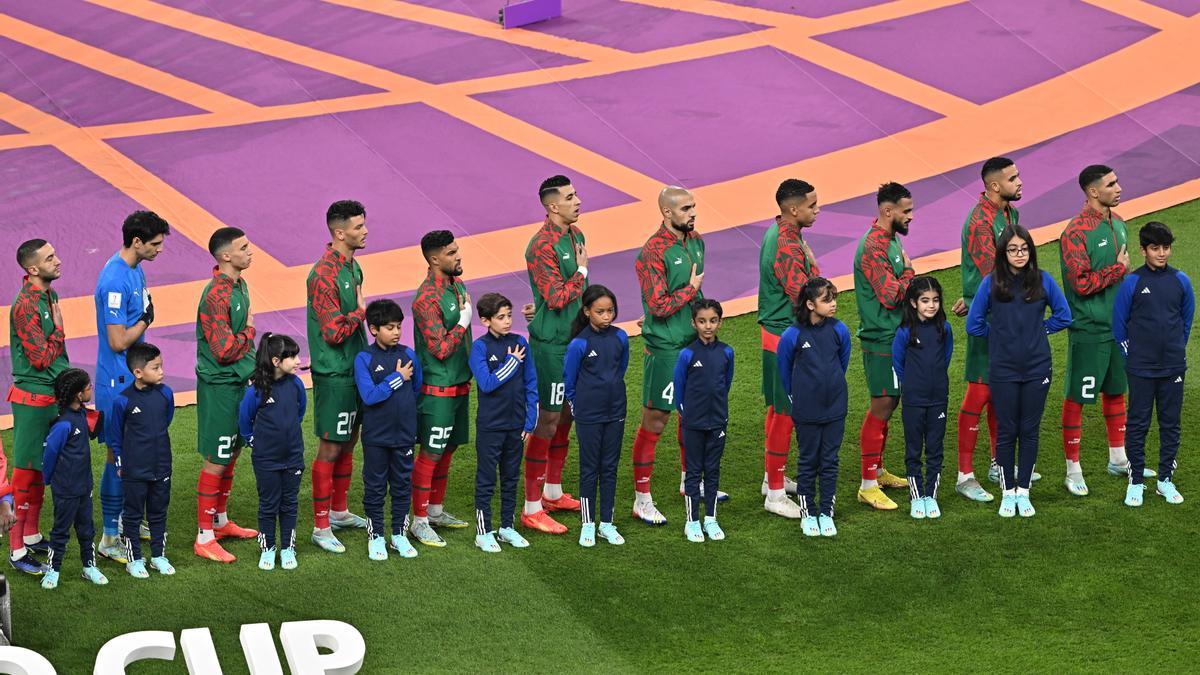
x=1184, y=7
x=813, y=9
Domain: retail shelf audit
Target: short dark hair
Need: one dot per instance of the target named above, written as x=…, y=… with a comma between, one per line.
x=27, y=250
x=1156, y=233
x=433, y=242
x=343, y=210
x=383, y=311
x=993, y=165
x=222, y=238
x=143, y=225
x=701, y=304
x=551, y=185
x=490, y=304
x=139, y=354
x=1091, y=174
x=792, y=188
x=891, y=193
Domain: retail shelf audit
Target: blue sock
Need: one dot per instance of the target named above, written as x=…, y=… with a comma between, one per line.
x=111, y=499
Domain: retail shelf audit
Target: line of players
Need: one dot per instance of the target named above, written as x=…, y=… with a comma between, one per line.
x=670, y=272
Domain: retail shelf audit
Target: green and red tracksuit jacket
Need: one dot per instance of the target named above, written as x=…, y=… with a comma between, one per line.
x=983, y=227
x=37, y=347
x=224, y=343
x=880, y=281
x=556, y=282
x=1090, y=272
x=785, y=264
x=664, y=273
x=335, y=334
x=442, y=346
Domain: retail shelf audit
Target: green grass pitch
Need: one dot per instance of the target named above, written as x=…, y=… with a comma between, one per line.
x=1088, y=584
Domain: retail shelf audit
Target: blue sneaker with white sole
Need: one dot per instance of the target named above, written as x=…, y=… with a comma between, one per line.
x=287, y=558
x=1133, y=495
x=828, y=529
x=94, y=575
x=712, y=530
x=587, y=535
x=377, y=548
x=162, y=565
x=137, y=569
x=608, y=532
x=347, y=522
x=508, y=535
x=266, y=560
x=50, y=581
x=1025, y=507
x=1123, y=470
x=401, y=545
x=931, y=508
x=487, y=543
x=810, y=526
x=328, y=542
x=693, y=532
x=1169, y=492
x=1008, y=506
x=917, y=508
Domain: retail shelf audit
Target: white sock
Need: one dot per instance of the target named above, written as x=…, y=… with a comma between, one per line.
x=1022, y=492
x=532, y=507
x=17, y=554
x=323, y=531
x=776, y=495
x=964, y=477
x=220, y=519
x=1117, y=456
x=710, y=519
x=552, y=491
x=31, y=539
x=1073, y=467
x=423, y=520
x=868, y=484
x=765, y=478
x=642, y=499
x=339, y=515
x=435, y=510
x=682, y=477
x=205, y=536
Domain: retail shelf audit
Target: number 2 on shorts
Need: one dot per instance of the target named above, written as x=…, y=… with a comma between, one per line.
x=346, y=422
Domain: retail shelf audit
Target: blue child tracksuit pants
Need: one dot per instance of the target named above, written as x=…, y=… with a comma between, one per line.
x=817, y=458
x=599, y=454
x=924, y=429
x=1019, y=408
x=502, y=450
x=702, y=449
x=387, y=471
x=278, y=495
x=73, y=512
x=1147, y=394
x=150, y=497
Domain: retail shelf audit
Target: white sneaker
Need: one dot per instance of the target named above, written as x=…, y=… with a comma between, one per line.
x=782, y=507
x=648, y=513
x=789, y=486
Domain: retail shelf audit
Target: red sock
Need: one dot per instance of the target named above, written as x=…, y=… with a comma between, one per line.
x=767, y=419
x=21, y=480
x=422, y=478
x=208, y=489
x=643, y=459
x=559, y=446
x=343, y=471
x=441, y=474
x=226, y=486
x=322, y=485
x=1113, y=406
x=871, y=439
x=37, y=496
x=1072, y=428
x=968, y=424
x=679, y=436
x=991, y=418
x=536, y=450
x=779, y=442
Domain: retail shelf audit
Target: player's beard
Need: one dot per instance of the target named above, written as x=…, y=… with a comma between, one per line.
x=685, y=226
x=900, y=227
x=455, y=270
x=1014, y=197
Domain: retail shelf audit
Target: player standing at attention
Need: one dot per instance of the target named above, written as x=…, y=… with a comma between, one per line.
x=1094, y=262
x=124, y=311
x=37, y=345
x=335, y=336
x=991, y=214
x=442, y=312
x=882, y=273
x=786, y=263
x=224, y=364
x=556, y=260
x=670, y=270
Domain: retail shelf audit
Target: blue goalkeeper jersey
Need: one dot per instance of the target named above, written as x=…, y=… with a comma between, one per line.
x=121, y=298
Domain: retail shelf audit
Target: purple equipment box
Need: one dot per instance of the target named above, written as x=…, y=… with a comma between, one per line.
x=525, y=12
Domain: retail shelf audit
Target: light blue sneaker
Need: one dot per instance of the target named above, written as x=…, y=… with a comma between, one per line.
x=1167, y=489
x=424, y=533
x=810, y=526
x=608, y=531
x=94, y=575
x=162, y=565
x=931, y=508
x=1008, y=505
x=508, y=535
x=1076, y=485
x=50, y=580
x=401, y=545
x=347, y=522
x=377, y=548
x=916, y=508
x=971, y=489
x=327, y=542
x=1024, y=506
x=266, y=560
x=587, y=535
x=1123, y=470
x=712, y=529
x=828, y=529
x=1133, y=495
x=692, y=531
x=137, y=569
x=287, y=558
x=487, y=543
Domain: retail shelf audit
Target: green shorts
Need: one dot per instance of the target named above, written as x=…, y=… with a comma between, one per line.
x=217, y=437
x=442, y=421
x=976, y=369
x=1092, y=367
x=658, y=380
x=337, y=408
x=877, y=365
x=548, y=364
x=772, y=385
x=30, y=425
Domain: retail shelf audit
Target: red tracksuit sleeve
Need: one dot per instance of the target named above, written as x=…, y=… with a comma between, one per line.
x=336, y=327
x=226, y=346
x=889, y=289
x=39, y=349
x=981, y=246
x=440, y=342
x=652, y=277
x=789, y=268
x=548, y=278
x=1080, y=276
